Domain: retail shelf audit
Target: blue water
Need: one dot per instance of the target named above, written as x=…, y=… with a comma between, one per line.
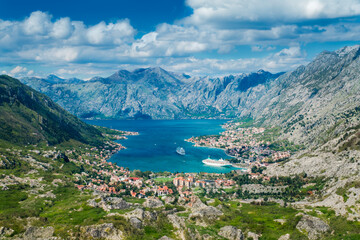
x=154, y=149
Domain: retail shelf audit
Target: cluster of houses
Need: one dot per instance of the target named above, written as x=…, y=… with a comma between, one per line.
x=242, y=144
x=189, y=182
x=277, y=156
x=110, y=178
x=231, y=138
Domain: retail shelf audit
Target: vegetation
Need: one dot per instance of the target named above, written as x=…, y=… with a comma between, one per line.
x=29, y=117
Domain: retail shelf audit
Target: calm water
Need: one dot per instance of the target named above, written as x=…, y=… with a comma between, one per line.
x=154, y=149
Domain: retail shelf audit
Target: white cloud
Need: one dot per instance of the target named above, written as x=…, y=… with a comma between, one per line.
x=37, y=24
x=17, y=70
x=62, y=28
x=287, y=58
x=114, y=33
x=215, y=28
x=226, y=13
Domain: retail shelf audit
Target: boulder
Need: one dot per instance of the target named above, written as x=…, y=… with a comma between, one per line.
x=135, y=222
x=231, y=233
x=281, y=221
x=253, y=235
x=39, y=233
x=284, y=237
x=312, y=226
x=153, y=203
x=102, y=231
x=165, y=238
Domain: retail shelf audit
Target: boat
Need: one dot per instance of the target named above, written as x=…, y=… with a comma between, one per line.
x=180, y=151
x=217, y=163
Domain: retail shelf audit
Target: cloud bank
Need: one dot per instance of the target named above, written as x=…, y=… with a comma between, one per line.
x=198, y=44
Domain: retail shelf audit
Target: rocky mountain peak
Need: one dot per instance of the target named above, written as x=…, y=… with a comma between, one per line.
x=54, y=78
x=347, y=49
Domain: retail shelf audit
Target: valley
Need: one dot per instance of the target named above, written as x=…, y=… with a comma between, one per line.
x=298, y=133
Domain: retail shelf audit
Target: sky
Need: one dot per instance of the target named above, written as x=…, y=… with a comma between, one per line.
x=198, y=37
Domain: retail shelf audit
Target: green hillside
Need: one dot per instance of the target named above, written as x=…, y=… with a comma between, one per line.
x=29, y=117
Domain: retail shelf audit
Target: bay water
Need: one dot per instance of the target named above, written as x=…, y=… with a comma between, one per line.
x=154, y=148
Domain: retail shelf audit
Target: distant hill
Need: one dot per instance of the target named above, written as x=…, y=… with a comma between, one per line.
x=29, y=117
x=155, y=93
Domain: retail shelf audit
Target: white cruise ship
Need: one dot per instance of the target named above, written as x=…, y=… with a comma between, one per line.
x=217, y=163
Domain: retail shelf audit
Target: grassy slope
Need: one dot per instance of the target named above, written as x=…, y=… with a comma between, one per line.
x=29, y=117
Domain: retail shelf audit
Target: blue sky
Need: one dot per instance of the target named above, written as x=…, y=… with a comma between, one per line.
x=198, y=37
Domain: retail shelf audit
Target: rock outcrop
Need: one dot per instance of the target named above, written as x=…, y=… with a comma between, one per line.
x=108, y=203
x=103, y=231
x=231, y=233
x=312, y=226
x=205, y=215
x=153, y=203
x=39, y=233
x=135, y=222
x=253, y=235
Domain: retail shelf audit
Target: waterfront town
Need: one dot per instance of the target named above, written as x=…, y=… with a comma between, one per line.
x=245, y=145
x=109, y=178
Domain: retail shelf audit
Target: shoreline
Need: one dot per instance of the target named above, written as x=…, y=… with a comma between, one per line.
x=125, y=137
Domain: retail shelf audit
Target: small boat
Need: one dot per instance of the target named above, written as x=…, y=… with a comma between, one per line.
x=217, y=163
x=180, y=151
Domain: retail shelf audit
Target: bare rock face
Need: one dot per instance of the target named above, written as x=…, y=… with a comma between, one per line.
x=153, y=203
x=313, y=226
x=102, y=231
x=231, y=233
x=39, y=233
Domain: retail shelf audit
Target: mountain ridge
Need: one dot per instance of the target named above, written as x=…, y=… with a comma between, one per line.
x=152, y=93
x=29, y=117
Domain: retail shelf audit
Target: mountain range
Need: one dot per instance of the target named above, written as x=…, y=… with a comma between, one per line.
x=312, y=104
x=156, y=94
